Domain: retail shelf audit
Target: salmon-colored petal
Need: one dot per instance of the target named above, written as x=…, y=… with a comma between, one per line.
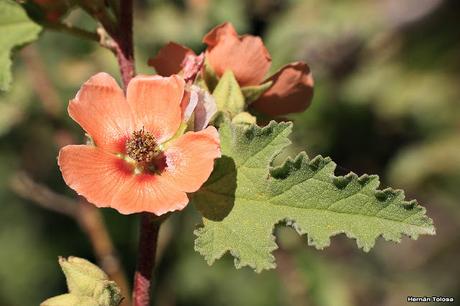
x=155, y=102
x=93, y=173
x=291, y=92
x=246, y=56
x=190, y=159
x=149, y=193
x=223, y=30
x=170, y=59
x=101, y=110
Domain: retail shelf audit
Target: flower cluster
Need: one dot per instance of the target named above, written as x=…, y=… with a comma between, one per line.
x=290, y=89
x=141, y=158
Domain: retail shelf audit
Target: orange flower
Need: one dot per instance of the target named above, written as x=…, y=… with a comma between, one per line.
x=136, y=165
x=292, y=87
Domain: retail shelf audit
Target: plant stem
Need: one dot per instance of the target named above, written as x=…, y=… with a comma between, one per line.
x=148, y=240
x=124, y=41
x=120, y=30
x=150, y=224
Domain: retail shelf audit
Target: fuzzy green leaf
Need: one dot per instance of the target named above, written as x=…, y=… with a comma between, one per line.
x=245, y=198
x=17, y=29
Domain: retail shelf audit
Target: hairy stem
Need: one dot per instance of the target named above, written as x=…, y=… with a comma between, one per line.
x=148, y=240
x=150, y=224
x=124, y=41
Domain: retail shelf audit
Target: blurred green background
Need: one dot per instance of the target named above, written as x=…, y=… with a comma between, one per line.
x=387, y=101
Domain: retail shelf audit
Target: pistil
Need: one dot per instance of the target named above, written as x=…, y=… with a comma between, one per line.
x=144, y=150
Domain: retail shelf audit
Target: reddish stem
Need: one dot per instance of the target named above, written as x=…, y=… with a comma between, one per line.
x=149, y=228
x=123, y=38
x=122, y=35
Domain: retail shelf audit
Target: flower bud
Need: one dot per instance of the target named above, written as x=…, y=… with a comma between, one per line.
x=244, y=118
x=81, y=275
x=88, y=285
x=70, y=300
x=198, y=107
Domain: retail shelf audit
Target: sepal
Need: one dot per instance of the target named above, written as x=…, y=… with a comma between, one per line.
x=228, y=95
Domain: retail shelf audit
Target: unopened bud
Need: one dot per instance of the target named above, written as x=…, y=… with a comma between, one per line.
x=81, y=275
x=244, y=118
x=70, y=300
x=88, y=285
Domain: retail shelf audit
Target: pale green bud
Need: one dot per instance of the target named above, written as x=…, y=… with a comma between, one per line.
x=82, y=276
x=244, y=118
x=110, y=295
x=70, y=300
x=88, y=285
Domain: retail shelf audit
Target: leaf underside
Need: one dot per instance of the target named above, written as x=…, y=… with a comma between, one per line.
x=245, y=198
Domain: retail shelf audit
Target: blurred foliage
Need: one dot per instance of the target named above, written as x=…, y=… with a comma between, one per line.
x=386, y=102
x=17, y=30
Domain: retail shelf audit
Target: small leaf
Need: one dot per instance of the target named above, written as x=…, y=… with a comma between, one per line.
x=252, y=93
x=228, y=95
x=17, y=29
x=245, y=198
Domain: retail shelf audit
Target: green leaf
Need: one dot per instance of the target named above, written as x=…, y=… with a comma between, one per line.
x=245, y=198
x=17, y=29
x=252, y=93
x=228, y=95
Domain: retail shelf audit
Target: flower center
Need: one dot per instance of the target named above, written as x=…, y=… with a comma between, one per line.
x=142, y=147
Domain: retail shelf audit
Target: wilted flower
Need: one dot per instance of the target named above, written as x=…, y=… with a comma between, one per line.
x=138, y=163
x=291, y=88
